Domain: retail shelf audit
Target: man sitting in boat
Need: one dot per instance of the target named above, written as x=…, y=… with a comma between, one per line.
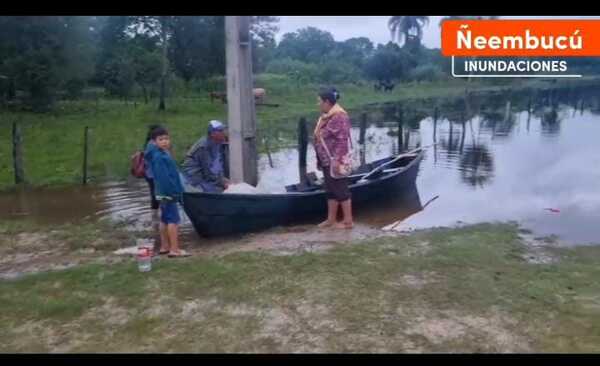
x=205, y=165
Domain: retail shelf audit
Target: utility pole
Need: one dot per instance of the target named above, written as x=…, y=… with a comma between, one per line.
x=240, y=101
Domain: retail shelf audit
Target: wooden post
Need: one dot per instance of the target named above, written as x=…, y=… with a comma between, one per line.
x=363, y=128
x=361, y=138
x=241, y=110
x=302, y=149
x=85, y=155
x=18, y=154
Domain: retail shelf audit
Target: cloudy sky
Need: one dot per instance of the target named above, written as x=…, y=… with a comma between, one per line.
x=373, y=27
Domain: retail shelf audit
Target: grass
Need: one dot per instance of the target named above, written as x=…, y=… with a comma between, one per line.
x=443, y=290
x=53, y=142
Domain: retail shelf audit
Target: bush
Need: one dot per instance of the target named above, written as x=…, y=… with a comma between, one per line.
x=426, y=72
x=215, y=83
x=338, y=73
x=295, y=69
x=74, y=88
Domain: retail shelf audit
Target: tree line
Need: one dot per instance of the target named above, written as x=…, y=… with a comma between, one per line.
x=44, y=58
x=47, y=58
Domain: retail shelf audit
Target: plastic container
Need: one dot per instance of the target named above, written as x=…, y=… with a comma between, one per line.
x=144, y=259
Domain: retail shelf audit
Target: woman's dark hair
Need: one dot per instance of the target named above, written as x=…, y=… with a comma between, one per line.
x=150, y=129
x=158, y=131
x=329, y=94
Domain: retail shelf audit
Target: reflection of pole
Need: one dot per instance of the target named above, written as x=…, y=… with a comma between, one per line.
x=400, y=129
x=435, y=118
x=462, y=138
x=241, y=112
x=507, y=111
x=85, y=155
x=450, y=142
x=18, y=154
x=361, y=138
x=266, y=142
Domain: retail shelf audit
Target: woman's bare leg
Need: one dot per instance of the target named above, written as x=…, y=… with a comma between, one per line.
x=348, y=221
x=332, y=209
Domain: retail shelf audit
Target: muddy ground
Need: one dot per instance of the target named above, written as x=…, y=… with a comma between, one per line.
x=482, y=288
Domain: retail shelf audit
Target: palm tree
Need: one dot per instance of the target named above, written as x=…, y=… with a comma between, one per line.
x=407, y=28
x=467, y=17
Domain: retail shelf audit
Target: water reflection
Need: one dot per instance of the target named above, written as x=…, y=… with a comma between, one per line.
x=476, y=166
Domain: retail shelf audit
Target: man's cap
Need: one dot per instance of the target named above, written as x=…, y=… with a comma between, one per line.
x=215, y=125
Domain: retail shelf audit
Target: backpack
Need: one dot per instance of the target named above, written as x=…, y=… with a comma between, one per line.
x=138, y=167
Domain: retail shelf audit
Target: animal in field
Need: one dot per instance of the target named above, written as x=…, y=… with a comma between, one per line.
x=218, y=95
x=384, y=85
x=388, y=86
x=259, y=94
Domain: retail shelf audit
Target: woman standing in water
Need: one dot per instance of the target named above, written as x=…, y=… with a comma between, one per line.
x=332, y=147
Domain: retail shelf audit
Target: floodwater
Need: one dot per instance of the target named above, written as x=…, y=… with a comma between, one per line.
x=531, y=157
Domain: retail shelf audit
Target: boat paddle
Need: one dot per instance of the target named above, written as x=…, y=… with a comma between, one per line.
x=403, y=155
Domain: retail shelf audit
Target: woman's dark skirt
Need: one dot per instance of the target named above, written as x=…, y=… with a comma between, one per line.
x=336, y=189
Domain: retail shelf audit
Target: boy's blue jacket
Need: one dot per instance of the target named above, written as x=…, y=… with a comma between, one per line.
x=166, y=176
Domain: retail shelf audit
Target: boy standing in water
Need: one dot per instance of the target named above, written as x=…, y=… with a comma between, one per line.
x=168, y=191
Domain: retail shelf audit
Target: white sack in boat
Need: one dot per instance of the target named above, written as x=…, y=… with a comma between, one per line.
x=243, y=188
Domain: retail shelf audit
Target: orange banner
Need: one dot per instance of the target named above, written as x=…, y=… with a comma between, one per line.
x=557, y=38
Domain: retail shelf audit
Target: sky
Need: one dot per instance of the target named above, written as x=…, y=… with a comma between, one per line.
x=375, y=27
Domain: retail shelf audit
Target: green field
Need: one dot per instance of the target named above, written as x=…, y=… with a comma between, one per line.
x=53, y=142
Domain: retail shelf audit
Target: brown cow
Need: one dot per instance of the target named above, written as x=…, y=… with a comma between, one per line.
x=259, y=94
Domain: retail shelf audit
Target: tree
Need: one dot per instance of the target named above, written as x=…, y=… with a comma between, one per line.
x=354, y=50
x=118, y=74
x=164, y=32
x=127, y=55
x=308, y=44
x=408, y=29
x=146, y=62
x=112, y=35
x=43, y=54
x=387, y=63
x=262, y=31
x=161, y=26
x=190, y=45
